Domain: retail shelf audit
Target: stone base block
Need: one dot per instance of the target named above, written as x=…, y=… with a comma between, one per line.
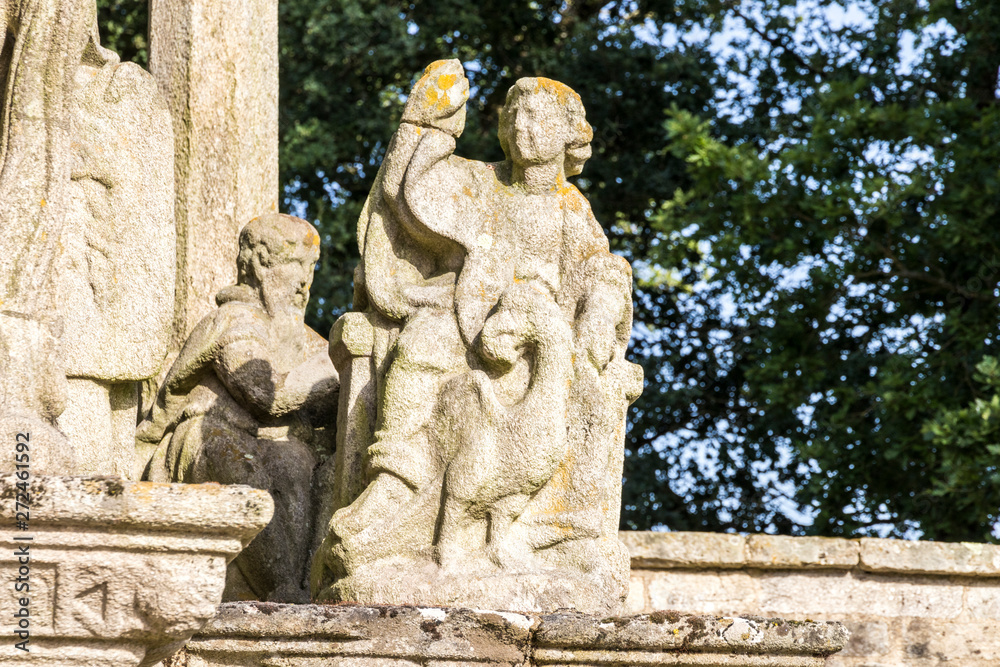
x=275, y=635
x=483, y=584
x=100, y=572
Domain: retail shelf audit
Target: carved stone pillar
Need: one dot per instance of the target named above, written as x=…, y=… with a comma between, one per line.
x=217, y=65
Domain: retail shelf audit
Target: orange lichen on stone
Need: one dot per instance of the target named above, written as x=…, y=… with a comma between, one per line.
x=561, y=91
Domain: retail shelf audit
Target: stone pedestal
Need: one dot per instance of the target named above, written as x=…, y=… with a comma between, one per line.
x=256, y=633
x=115, y=573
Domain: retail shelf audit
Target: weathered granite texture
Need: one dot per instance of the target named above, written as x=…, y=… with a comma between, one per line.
x=32, y=393
x=245, y=634
x=118, y=573
x=247, y=400
x=87, y=242
x=217, y=65
x=905, y=603
x=480, y=442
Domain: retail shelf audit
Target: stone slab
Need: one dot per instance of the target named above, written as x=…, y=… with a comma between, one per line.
x=247, y=633
x=683, y=549
x=781, y=551
x=717, y=591
x=693, y=550
x=963, y=558
x=821, y=593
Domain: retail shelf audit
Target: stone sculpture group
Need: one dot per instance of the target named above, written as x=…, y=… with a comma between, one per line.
x=481, y=457
x=469, y=412
x=455, y=446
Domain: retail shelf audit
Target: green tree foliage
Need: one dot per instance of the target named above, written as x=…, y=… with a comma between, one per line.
x=850, y=217
x=124, y=26
x=813, y=229
x=968, y=439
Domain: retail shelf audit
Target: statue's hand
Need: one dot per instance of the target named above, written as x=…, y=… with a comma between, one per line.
x=438, y=98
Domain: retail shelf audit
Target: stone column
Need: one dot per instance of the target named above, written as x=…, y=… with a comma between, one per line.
x=217, y=64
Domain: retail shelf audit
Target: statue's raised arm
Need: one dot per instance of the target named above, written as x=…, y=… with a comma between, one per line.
x=407, y=231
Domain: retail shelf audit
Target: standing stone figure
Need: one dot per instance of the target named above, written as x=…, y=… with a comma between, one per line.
x=86, y=236
x=482, y=415
x=244, y=400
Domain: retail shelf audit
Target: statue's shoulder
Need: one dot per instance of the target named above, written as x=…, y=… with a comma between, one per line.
x=125, y=92
x=238, y=317
x=580, y=224
x=212, y=333
x=241, y=322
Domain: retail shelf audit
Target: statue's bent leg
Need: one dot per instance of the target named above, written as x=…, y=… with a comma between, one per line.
x=462, y=536
x=507, y=549
x=274, y=564
x=428, y=348
x=403, y=460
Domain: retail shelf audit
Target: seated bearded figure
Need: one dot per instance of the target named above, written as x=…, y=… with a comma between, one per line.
x=485, y=380
x=242, y=403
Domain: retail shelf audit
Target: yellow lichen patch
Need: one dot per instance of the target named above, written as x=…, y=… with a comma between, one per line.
x=446, y=81
x=569, y=197
x=432, y=97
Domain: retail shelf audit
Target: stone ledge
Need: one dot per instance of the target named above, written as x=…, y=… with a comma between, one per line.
x=672, y=631
x=656, y=551
x=692, y=550
x=253, y=633
x=110, y=504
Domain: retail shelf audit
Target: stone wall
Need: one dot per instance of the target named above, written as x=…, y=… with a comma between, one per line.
x=905, y=603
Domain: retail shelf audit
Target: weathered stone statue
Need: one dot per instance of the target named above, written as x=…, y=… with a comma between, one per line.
x=244, y=402
x=86, y=236
x=482, y=415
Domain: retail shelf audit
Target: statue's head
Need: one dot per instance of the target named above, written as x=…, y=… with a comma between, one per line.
x=278, y=254
x=543, y=120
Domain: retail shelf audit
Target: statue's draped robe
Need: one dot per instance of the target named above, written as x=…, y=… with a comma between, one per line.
x=87, y=241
